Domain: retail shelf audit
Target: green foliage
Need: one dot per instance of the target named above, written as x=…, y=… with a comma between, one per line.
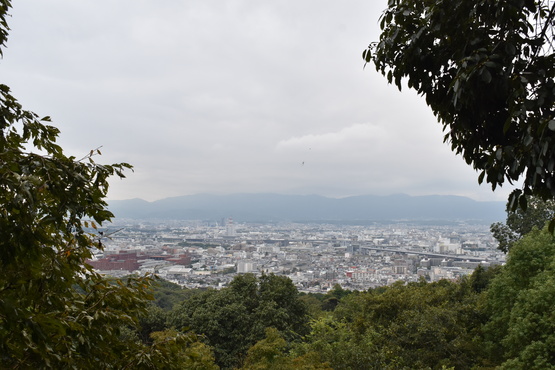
x=336, y=343
x=338, y=292
x=167, y=294
x=481, y=278
x=55, y=311
x=174, y=350
x=268, y=353
x=235, y=318
x=486, y=70
x=520, y=301
x=504, y=235
x=419, y=325
x=279, y=303
x=333, y=297
x=4, y=29
x=154, y=319
x=312, y=304
x=520, y=222
x=221, y=319
x=271, y=353
x=317, y=303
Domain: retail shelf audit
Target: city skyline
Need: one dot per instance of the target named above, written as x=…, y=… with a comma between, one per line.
x=315, y=256
x=234, y=97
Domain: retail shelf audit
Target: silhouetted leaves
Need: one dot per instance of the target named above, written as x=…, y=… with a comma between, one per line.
x=521, y=221
x=486, y=69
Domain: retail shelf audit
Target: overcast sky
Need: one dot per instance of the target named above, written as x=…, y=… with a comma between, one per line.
x=214, y=96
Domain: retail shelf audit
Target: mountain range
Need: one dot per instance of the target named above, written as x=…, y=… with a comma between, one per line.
x=304, y=208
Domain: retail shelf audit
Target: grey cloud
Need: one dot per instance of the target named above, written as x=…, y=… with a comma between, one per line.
x=213, y=96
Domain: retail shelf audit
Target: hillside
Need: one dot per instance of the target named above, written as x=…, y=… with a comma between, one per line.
x=302, y=208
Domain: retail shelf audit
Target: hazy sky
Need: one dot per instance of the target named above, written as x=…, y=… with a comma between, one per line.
x=214, y=96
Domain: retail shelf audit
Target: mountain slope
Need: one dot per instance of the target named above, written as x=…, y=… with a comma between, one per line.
x=278, y=207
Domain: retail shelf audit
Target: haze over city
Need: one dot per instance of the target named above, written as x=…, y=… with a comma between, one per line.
x=228, y=97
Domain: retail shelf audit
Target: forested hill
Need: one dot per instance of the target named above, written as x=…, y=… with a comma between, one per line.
x=277, y=207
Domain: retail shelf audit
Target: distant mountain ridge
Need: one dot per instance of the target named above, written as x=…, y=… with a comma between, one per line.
x=278, y=207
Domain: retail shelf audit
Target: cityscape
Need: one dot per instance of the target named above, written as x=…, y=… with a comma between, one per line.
x=315, y=256
x=309, y=185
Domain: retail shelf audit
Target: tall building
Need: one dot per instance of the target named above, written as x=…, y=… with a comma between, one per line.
x=229, y=227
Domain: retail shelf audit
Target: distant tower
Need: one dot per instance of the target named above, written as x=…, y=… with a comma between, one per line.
x=229, y=227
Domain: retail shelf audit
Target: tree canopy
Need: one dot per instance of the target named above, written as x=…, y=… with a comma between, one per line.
x=520, y=222
x=235, y=318
x=486, y=69
x=520, y=331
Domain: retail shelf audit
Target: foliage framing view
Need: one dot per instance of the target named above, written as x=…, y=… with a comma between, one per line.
x=486, y=70
x=55, y=311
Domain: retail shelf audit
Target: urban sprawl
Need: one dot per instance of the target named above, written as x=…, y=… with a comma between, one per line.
x=200, y=254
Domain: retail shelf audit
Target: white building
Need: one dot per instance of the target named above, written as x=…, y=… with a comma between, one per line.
x=245, y=266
